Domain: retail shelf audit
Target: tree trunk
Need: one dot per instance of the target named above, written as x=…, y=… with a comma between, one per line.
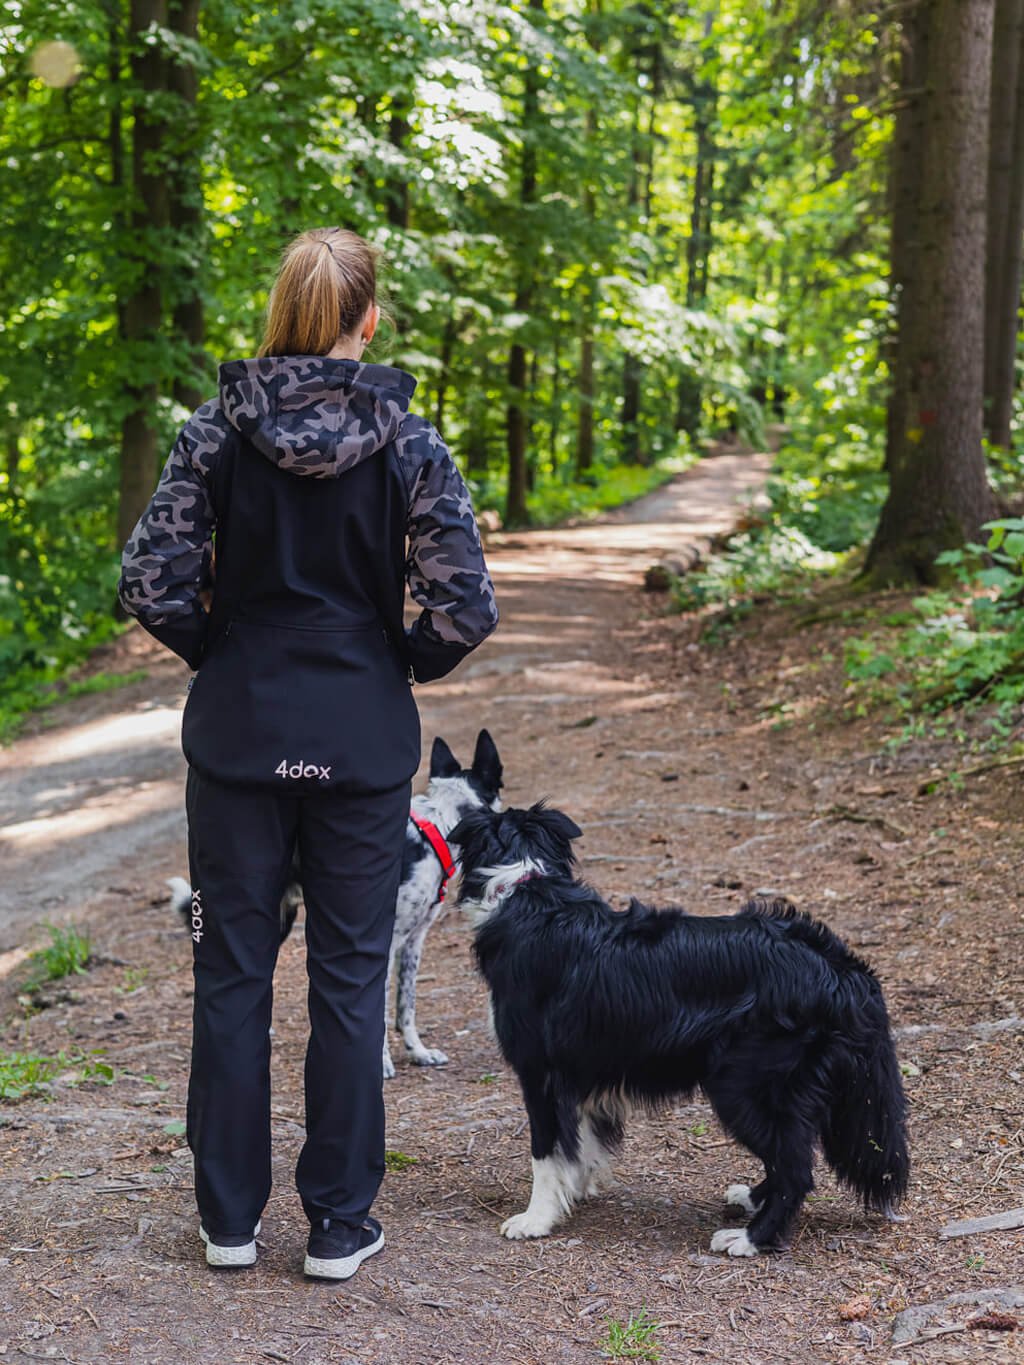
x=143, y=305
x=632, y=368
x=445, y=359
x=632, y=388
x=905, y=168
x=938, y=490
x=689, y=396
x=516, y=513
x=192, y=382
x=1005, y=219
x=476, y=442
x=531, y=408
x=588, y=306
x=398, y=183
x=115, y=139
x=585, y=386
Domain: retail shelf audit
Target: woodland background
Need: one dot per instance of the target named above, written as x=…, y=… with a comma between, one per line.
x=612, y=231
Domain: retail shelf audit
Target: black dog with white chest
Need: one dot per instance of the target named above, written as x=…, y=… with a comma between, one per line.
x=766, y=1011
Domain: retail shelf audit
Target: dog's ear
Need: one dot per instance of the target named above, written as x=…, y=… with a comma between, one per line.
x=555, y=822
x=443, y=762
x=487, y=767
x=471, y=827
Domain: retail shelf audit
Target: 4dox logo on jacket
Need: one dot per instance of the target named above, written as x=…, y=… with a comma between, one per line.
x=300, y=769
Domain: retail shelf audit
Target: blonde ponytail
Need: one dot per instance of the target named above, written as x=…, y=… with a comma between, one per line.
x=326, y=283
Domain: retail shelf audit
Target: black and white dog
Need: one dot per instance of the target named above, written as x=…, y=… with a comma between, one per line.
x=452, y=793
x=779, y=1024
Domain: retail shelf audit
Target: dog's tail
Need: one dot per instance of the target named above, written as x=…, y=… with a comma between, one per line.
x=181, y=898
x=864, y=1134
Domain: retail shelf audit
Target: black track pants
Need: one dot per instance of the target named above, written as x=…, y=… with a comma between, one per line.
x=240, y=846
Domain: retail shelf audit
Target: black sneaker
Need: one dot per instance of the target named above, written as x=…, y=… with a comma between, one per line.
x=336, y=1250
x=226, y=1253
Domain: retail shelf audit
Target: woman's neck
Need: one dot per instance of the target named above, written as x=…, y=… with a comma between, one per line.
x=346, y=348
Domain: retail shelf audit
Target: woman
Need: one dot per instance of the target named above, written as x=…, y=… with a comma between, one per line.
x=325, y=495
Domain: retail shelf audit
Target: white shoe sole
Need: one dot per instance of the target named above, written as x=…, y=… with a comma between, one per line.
x=230, y=1257
x=340, y=1267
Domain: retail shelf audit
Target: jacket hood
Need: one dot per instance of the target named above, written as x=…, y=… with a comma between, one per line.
x=315, y=416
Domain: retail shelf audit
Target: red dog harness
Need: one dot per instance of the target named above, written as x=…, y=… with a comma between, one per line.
x=437, y=842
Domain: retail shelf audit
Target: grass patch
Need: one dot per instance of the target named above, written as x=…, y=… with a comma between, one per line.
x=67, y=954
x=955, y=650
x=398, y=1161
x=556, y=498
x=632, y=1340
x=24, y=1073
x=30, y=691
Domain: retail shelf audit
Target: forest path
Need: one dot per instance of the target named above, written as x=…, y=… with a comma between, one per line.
x=700, y=773
x=92, y=800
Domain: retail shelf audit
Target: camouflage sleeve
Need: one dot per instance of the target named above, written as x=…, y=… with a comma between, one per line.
x=167, y=559
x=445, y=567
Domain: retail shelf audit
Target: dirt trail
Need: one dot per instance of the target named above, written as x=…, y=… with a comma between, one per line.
x=699, y=774
x=82, y=805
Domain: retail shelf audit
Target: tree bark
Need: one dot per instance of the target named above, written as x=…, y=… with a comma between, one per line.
x=689, y=396
x=585, y=378
x=585, y=384
x=444, y=371
x=516, y=512
x=1005, y=219
x=938, y=489
x=143, y=304
x=905, y=168
x=192, y=378
x=398, y=183
x=632, y=368
x=115, y=139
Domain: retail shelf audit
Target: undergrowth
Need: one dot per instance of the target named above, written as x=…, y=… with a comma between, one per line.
x=813, y=522
x=23, y=1073
x=632, y=1340
x=960, y=647
x=955, y=648
x=67, y=954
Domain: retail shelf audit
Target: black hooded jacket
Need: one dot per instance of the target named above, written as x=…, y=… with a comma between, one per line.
x=324, y=498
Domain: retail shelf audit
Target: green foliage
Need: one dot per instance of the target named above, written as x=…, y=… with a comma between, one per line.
x=708, y=204
x=632, y=1340
x=823, y=499
x=23, y=1074
x=67, y=954
x=553, y=500
x=960, y=645
x=398, y=1161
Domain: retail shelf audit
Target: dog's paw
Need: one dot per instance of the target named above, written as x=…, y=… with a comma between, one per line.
x=734, y=1241
x=599, y=1181
x=429, y=1056
x=525, y=1225
x=388, y=1067
x=738, y=1197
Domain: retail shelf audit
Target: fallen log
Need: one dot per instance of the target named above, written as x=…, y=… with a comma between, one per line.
x=994, y=1222
x=913, y=1323
x=660, y=576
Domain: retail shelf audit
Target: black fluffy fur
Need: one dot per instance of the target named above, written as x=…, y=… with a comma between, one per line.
x=767, y=1011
